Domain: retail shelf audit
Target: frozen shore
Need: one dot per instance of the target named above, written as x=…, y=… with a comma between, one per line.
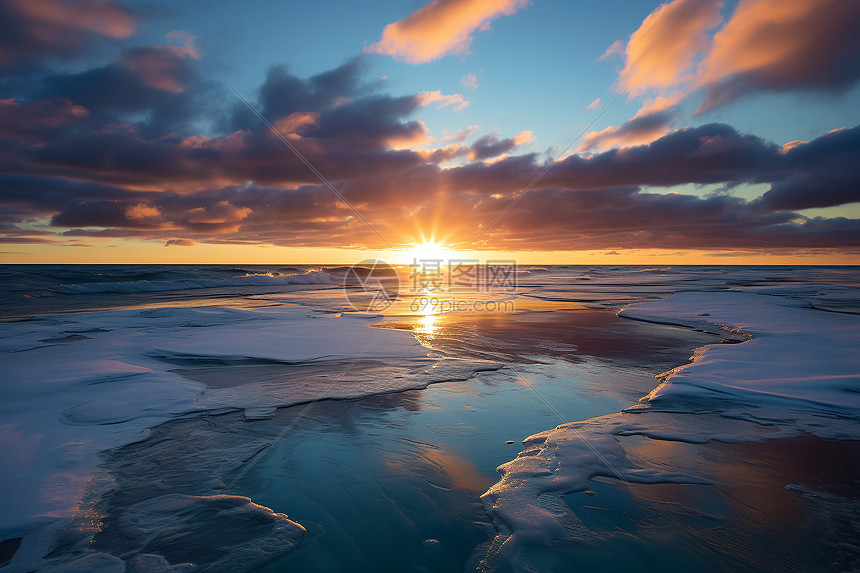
x=798, y=372
x=76, y=385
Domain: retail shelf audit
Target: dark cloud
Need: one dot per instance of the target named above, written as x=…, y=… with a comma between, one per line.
x=490, y=146
x=156, y=88
x=33, y=29
x=284, y=93
x=627, y=218
x=808, y=191
x=823, y=173
x=713, y=153
x=179, y=243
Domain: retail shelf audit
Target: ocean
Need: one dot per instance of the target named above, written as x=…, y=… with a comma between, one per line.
x=525, y=418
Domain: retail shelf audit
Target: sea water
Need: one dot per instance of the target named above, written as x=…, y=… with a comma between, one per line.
x=392, y=481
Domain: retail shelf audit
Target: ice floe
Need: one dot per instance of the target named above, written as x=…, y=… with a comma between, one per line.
x=65, y=399
x=798, y=371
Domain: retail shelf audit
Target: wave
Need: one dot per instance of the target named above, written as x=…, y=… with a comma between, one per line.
x=652, y=270
x=249, y=279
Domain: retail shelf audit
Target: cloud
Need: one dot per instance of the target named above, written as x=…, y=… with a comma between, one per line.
x=426, y=98
x=659, y=60
x=155, y=87
x=179, y=243
x=625, y=218
x=17, y=120
x=636, y=131
x=783, y=45
x=186, y=41
x=135, y=166
x=710, y=154
x=462, y=134
x=142, y=212
x=470, y=80
x=159, y=67
x=820, y=179
x=218, y=216
x=490, y=146
x=681, y=51
x=661, y=53
x=31, y=29
x=583, y=203
x=594, y=105
x=283, y=93
x=615, y=49
x=441, y=28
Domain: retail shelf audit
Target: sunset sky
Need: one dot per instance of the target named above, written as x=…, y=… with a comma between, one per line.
x=711, y=131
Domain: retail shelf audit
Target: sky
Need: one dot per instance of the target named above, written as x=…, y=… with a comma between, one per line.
x=611, y=132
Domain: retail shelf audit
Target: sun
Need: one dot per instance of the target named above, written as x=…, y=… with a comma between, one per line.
x=427, y=251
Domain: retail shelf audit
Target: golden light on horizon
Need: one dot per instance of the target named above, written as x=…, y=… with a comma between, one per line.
x=425, y=251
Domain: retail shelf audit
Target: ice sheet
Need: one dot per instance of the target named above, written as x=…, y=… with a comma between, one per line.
x=797, y=372
x=78, y=384
x=798, y=358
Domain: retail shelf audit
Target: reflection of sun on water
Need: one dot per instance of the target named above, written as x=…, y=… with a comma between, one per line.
x=427, y=325
x=429, y=258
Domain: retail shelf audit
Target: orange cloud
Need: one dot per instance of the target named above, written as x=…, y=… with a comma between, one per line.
x=661, y=53
x=221, y=213
x=442, y=154
x=785, y=148
x=644, y=127
x=441, y=28
x=660, y=59
x=426, y=98
x=780, y=45
x=766, y=45
x=414, y=137
x=625, y=135
x=292, y=125
x=523, y=137
x=142, y=211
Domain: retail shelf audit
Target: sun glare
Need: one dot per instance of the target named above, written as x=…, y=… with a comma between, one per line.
x=427, y=251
